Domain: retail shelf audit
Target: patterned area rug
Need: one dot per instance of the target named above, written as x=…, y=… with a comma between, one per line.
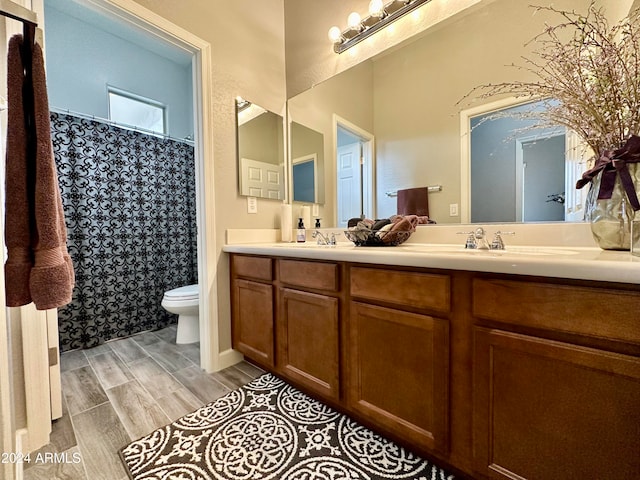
x=269, y=430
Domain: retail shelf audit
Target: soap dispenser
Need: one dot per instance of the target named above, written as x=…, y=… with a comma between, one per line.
x=318, y=223
x=302, y=234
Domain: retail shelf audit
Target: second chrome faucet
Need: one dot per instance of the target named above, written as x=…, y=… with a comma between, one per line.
x=323, y=239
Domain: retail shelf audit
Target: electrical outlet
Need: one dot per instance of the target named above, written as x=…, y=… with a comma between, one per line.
x=252, y=205
x=453, y=209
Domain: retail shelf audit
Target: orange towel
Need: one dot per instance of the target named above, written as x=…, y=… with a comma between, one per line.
x=38, y=267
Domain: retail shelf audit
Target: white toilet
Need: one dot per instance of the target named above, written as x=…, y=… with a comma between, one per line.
x=185, y=302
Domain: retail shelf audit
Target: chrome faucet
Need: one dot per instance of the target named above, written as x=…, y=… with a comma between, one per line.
x=323, y=239
x=481, y=239
x=478, y=240
x=497, y=243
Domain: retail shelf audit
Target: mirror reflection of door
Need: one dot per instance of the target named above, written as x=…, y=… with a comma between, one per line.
x=543, y=178
x=354, y=174
x=261, y=179
x=517, y=172
x=349, y=183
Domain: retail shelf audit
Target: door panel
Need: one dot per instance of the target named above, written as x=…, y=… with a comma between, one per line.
x=545, y=409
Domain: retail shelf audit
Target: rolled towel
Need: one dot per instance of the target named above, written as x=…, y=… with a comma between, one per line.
x=380, y=223
x=403, y=225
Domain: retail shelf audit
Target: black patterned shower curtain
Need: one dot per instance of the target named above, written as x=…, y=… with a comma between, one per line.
x=130, y=209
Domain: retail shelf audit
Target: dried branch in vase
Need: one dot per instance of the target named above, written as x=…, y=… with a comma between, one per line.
x=586, y=72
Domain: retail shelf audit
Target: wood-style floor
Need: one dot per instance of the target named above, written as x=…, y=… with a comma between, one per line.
x=120, y=391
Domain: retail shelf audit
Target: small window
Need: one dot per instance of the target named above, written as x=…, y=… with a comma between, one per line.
x=133, y=110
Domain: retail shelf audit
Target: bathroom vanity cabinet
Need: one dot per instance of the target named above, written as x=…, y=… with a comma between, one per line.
x=253, y=309
x=499, y=376
x=308, y=325
x=398, y=352
x=556, y=380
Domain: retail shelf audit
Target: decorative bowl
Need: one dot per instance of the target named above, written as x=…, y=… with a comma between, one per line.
x=381, y=238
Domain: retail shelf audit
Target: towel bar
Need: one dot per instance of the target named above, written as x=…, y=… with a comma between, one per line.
x=430, y=188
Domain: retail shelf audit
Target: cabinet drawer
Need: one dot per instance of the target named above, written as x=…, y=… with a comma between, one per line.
x=252, y=267
x=597, y=312
x=422, y=290
x=318, y=275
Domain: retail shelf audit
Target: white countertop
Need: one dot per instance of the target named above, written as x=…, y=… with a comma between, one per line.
x=586, y=263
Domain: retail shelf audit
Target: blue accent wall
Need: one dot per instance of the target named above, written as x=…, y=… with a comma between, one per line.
x=303, y=183
x=83, y=59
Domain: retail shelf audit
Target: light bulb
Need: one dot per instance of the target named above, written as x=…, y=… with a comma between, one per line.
x=353, y=20
x=335, y=34
x=376, y=8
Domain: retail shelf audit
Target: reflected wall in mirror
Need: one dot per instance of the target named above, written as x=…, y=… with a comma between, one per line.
x=408, y=99
x=260, y=155
x=307, y=163
x=518, y=172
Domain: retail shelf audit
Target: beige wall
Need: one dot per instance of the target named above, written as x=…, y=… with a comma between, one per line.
x=247, y=39
x=417, y=85
x=262, y=139
x=309, y=53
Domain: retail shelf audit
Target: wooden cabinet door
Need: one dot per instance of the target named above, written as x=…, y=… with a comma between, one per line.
x=252, y=324
x=399, y=367
x=545, y=409
x=308, y=341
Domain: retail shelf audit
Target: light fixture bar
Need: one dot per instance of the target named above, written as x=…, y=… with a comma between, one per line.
x=371, y=24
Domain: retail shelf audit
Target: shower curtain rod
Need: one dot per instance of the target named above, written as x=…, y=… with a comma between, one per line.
x=66, y=111
x=18, y=12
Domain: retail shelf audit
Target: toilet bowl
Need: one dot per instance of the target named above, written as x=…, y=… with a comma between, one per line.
x=185, y=302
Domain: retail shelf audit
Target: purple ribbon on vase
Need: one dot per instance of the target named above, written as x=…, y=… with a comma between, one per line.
x=612, y=163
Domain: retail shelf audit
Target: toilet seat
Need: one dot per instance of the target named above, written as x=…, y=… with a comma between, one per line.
x=182, y=294
x=184, y=302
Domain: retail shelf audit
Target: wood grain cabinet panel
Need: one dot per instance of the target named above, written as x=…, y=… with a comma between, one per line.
x=308, y=341
x=253, y=320
x=405, y=289
x=259, y=268
x=597, y=312
x=545, y=409
x=398, y=367
x=316, y=275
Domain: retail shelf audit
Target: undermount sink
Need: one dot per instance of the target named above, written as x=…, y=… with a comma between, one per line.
x=509, y=250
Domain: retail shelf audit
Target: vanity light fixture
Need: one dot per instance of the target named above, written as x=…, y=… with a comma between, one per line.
x=380, y=15
x=242, y=104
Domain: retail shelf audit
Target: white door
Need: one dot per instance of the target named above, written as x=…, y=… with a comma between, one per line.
x=349, y=181
x=543, y=179
x=261, y=179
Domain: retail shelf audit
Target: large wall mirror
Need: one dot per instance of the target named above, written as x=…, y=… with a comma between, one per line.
x=407, y=99
x=260, y=154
